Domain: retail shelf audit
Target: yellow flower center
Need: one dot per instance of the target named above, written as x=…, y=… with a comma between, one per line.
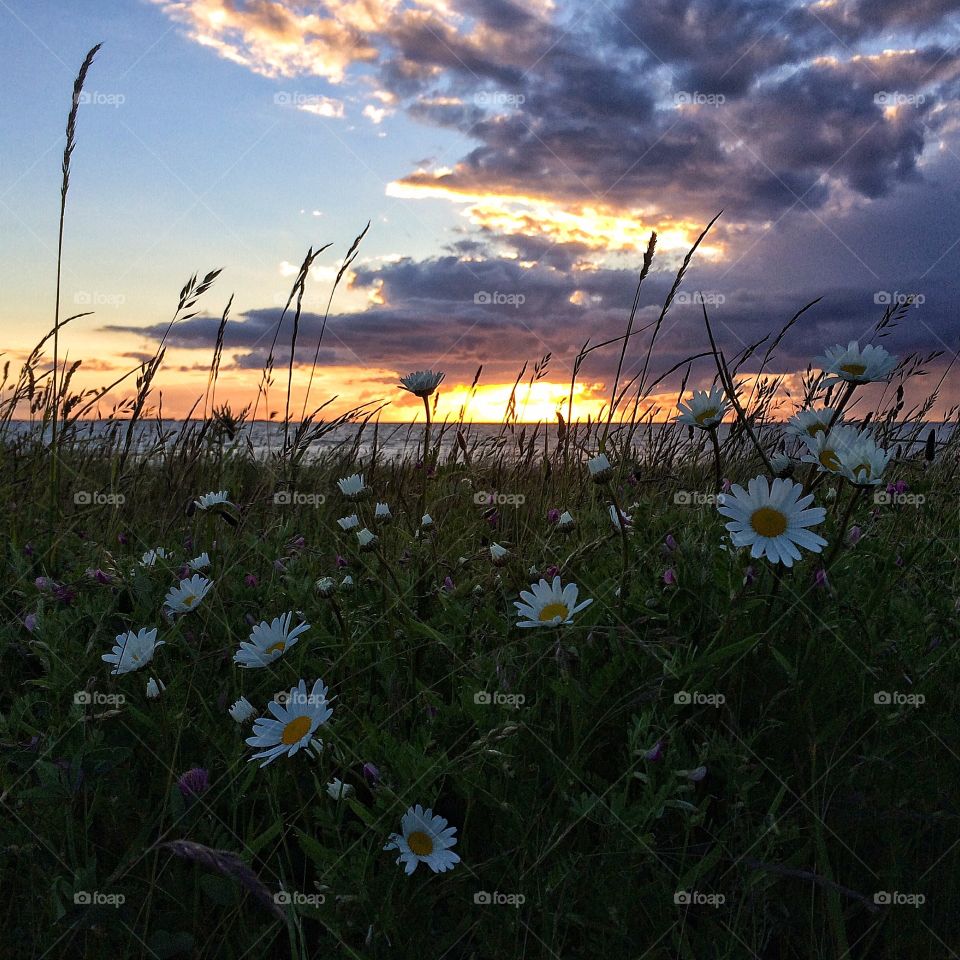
x=295, y=730
x=854, y=369
x=829, y=459
x=706, y=414
x=768, y=522
x=279, y=645
x=189, y=600
x=553, y=610
x=420, y=843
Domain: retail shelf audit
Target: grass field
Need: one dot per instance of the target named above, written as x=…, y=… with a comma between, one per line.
x=724, y=754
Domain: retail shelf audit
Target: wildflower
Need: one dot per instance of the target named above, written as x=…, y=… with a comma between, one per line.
x=242, y=710
x=293, y=724
x=338, y=790
x=155, y=688
x=213, y=499
x=368, y=539
x=854, y=535
x=353, y=487
x=498, y=554
x=772, y=519
x=565, y=522
x=371, y=773
x=132, y=651
x=193, y=783
x=326, y=587
x=382, y=513
x=808, y=423
x=269, y=641
x=669, y=577
x=422, y=383
x=199, y=563
x=853, y=365
x=188, y=595
x=150, y=558
x=548, y=605
x=619, y=519
x=553, y=516
x=599, y=467
x=250, y=580
x=704, y=409
x=349, y=523
x=424, y=838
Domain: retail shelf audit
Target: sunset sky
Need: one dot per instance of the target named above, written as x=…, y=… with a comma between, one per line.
x=512, y=160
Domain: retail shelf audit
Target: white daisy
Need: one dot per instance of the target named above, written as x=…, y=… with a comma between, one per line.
x=853, y=365
x=326, y=587
x=548, y=605
x=424, y=838
x=155, y=688
x=566, y=521
x=213, y=499
x=188, y=595
x=704, y=409
x=808, y=423
x=242, y=710
x=349, y=523
x=293, y=724
x=152, y=556
x=199, y=563
x=616, y=516
x=422, y=383
x=498, y=554
x=382, y=513
x=824, y=449
x=772, y=519
x=779, y=462
x=346, y=583
x=863, y=462
x=353, y=487
x=269, y=641
x=599, y=467
x=338, y=790
x=132, y=651
x=368, y=539
x=426, y=521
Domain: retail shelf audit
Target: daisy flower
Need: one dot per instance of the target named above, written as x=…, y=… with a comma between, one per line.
x=353, y=487
x=424, y=838
x=382, y=513
x=548, y=605
x=326, y=587
x=368, y=539
x=188, y=595
x=349, y=523
x=155, y=688
x=566, y=521
x=293, y=724
x=618, y=516
x=242, y=710
x=705, y=409
x=213, y=499
x=338, y=790
x=346, y=583
x=863, y=462
x=426, y=521
x=152, y=556
x=824, y=448
x=599, y=467
x=199, y=563
x=269, y=641
x=850, y=364
x=498, y=554
x=132, y=651
x=772, y=519
x=808, y=423
x=422, y=383
x=779, y=462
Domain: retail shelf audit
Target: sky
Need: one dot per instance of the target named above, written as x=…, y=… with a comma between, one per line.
x=512, y=160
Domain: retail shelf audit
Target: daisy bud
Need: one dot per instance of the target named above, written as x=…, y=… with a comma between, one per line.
x=498, y=554
x=242, y=710
x=600, y=469
x=326, y=587
x=346, y=583
x=565, y=522
x=154, y=688
x=368, y=540
x=426, y=522
x=382, y=514
x=349, y=523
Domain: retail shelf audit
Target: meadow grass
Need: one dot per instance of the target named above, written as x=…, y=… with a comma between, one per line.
x=719, y=757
